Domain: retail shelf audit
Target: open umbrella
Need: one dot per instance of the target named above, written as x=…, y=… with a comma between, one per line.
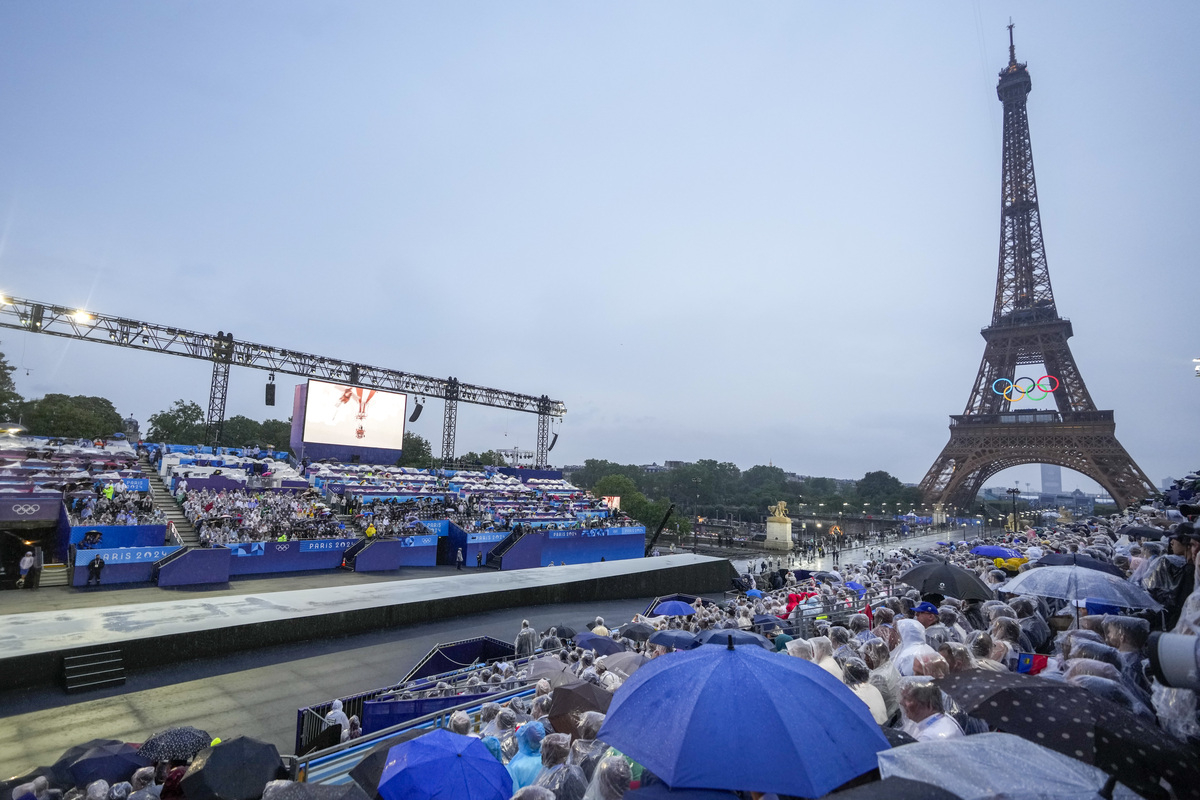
x=992, y=551
x=678, y=639
x=366, y=773
x=660, y=791
x=731, y=637
x=947, y=580
x=1077, y=723
x=600, y=645
x=442, y=764
x=62, y=766
x=1077, y=560
x=1078, y=583
x=109, y=762
x=856, y=586
x=553, y=671
x=574, y=700
x=175, y=744
x=894, y=789
x=743, y=719
x=767, y=622
x=626, y=663
x=673, y=608
x=754, y=593
x=989, y=765
x=563, y=632
x=637, y=631
x=320, y=791
x=236, y=769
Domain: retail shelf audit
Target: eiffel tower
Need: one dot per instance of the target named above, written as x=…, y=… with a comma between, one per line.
x=1026, y=329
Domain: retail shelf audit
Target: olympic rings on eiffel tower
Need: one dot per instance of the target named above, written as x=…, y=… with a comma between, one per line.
x=1026, y=392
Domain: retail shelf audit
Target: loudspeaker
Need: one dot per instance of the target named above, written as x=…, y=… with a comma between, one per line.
x=553, y=442
x=270, y=394
x=354, y=373
x=417, y=409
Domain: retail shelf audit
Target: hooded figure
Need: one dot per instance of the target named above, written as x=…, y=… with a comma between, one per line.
x=527, y=763
x=884, y=676
x=460, y=723
x=97, y=790
x=823, y=656
x=567, y=781
x=587, y=750
x=912, y=643
x=526, y=641
x=610, y=781
x=336, y=716
x=858, y=678
x=551, y=642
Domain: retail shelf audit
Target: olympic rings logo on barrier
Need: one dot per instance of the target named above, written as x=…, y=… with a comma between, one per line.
x=1026, y=392
x=26, y=509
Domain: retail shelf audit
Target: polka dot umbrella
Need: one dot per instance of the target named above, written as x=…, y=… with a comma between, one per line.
x=1075, y=722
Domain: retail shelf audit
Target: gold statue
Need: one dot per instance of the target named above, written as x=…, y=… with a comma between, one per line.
x=779, y=512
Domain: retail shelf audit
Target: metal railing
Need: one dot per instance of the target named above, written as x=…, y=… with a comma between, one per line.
x=333, y=765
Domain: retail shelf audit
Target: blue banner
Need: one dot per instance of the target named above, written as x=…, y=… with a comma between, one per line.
x=248, y=549
x=125, y=555
x=585, y=532
x=137, y=484
x=326, y=544
x=439, y=526
x=419, y=541
x=476, y=538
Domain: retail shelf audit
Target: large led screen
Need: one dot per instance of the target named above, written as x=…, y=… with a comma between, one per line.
x=354, y=416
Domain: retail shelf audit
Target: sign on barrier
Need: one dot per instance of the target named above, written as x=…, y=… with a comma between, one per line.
x=126, y=555
x=327, y=544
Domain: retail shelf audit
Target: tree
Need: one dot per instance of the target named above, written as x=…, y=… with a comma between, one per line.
x=276, y=433
x=10, y=401
x=182, y=423
x=71, y=417
x=417, y=452
x=240, y=431
x=616, y=486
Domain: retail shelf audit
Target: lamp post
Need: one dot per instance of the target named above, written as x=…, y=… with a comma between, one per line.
x=1013, y=493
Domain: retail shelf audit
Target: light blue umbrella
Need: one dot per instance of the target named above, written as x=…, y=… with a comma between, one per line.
x=1080, y=583
x=743, y=719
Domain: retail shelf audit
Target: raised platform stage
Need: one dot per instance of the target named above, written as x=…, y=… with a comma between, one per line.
x=34, y=645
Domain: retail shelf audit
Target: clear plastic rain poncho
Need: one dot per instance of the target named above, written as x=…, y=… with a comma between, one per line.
x=884, y=676
x=858, y=678
x=610, y=781
x=587, y=750
x=1176, y=708
x=527, y=763
x=142, y=778
x=533, y=793
x=912, y=643
x=459, y=723
x=800, y=648
x=567, y=781
x=97, y=790
x=823, y=655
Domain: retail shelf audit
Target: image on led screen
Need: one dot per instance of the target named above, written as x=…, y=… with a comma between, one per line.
x=354, y=416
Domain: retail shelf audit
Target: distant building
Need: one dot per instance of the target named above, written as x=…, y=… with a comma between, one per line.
x=675, y=464
x=1166, y=483
x=654, y=468
x=1051, y=479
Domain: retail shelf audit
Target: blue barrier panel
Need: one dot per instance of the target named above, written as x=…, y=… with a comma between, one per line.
x=137, y=484
x=380, y=714
x=389, y=554
x=441, y=527
x=121, y=565
x=481, y=544
x=196, y=566
x=264, y=557
x=122, y=535
x=580, y=546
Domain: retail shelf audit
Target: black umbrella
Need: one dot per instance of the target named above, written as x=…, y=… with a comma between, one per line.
x=1136, y=531
x=237, y=769
x=563, y=632
x=894, y=789
x=1076, y=560
x=896, y=737
x=109, y=762
x=724, y=637
x=638, y=631
x=368, y=771
x=62, y=766
x=572, y=701
x=947, y=580
x=175, y=744
x=1078, y=723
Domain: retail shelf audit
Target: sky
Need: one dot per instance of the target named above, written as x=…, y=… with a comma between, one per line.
x=759, y=233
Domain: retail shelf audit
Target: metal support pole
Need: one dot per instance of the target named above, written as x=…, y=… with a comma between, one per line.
x=215, y=422
x=450, y=421
x=543, y=434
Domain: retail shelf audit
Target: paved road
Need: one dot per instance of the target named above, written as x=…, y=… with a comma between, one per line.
x=253, y=693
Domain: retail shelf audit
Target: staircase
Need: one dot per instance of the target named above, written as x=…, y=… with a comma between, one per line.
x=96, y=670
x=350, y=555
x=496, y=556
x=165, y=500
x=55, y=575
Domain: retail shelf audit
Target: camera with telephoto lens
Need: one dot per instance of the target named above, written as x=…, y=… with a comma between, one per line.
x=1175, y=659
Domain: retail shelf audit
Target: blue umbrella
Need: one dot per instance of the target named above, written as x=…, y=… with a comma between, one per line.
x=724, y=636
x=858, y=587
x=674, y=608
x=943, y=544
x=660, y=791
x=767, y=621
x=743, y=719
x=111, y=762
x=677, y=639
x=600, y=645
x=442, y=765
x=754, y=593
x=991, y=551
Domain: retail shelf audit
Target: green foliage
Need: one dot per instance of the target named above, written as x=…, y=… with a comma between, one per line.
x=488, y=458
x=616, y=486
x=10, y=400
x=276, y=432
x=240, y=431
x=71, y=417
x=417, y=452
x=182, y=423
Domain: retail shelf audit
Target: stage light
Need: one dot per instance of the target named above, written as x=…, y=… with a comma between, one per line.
x=3, y=300
x=81, y=316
